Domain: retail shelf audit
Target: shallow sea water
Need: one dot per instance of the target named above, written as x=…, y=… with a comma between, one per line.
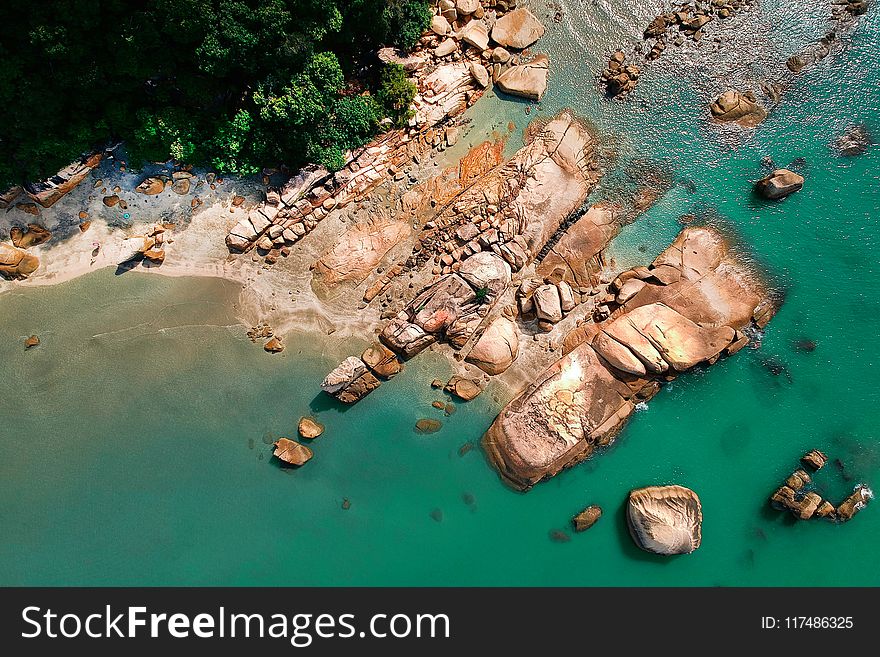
x=134, y=440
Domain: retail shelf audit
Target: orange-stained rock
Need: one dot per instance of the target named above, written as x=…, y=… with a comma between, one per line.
x=274, y=346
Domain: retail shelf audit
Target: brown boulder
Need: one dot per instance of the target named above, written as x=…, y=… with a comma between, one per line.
x=586, y=518
x=31, y=342
x=274, y=346
x=34, y=235
x=527, y=80
x=151, y=186
x=381, y=360
x=291, y=451
x=733, y=106
x=15, y=263
x=518, y=29
x=309, y=427
x=463, y=388
x=779, y=184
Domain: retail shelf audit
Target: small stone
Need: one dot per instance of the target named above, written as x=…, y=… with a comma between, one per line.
x=31, y=342
x=586, y=518
x=274, y=346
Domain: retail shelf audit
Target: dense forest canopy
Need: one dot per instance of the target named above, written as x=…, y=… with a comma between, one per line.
x=235, y=85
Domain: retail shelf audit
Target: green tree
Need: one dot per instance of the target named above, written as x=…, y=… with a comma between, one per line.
x=396, y=94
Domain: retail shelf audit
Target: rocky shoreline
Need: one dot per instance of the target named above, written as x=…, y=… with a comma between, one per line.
x=494, y=261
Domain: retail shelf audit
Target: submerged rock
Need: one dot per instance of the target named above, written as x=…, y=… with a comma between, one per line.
x=309, y=427
x=779, y=184
x=665, y=519
x=586, y=518
x=291, y=451
x=428, y=425
x=855, y=141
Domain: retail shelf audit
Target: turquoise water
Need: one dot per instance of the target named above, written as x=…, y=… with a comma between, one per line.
x=133, y=441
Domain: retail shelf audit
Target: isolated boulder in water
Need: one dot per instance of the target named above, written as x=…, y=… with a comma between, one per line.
x=665, y=519
x=586, y=518
x=291, y=451
x=779, y=184
x=309, y=427
x=734, y=106
x=518, y=29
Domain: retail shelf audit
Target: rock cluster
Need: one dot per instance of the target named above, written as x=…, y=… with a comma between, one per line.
x=689, y=307
x=798, y=496
x=779, y=184
x=452, y=64
x=150, y=247
x=513, y=210
x=547, y=300
x=355, y=378
x=665, y=520
x=687, y=21
x=450, y=309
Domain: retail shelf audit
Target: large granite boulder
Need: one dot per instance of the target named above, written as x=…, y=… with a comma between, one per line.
x=16, y=263
x=343, y=375
x=496, y=348
x=779, y=184
x=578, y=252
x=517, y=29
x=697, y=298
x=358, y=251
x=741, y=108
x=665, y=519
x=527, y=80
